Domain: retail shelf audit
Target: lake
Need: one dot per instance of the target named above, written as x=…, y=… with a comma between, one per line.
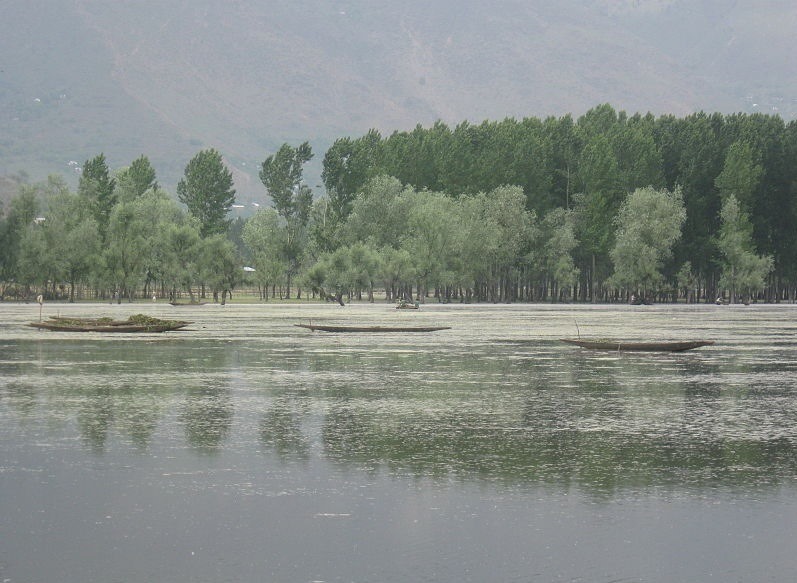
x=245, y=449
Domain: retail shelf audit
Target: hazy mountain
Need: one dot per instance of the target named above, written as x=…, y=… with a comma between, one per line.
x=167, y=78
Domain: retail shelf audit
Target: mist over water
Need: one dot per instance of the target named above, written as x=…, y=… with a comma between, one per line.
x=247, y=449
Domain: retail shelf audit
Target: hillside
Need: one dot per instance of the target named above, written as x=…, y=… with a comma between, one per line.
x=168, y=77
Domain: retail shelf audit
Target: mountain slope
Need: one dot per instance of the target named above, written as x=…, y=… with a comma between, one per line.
x=169, y=77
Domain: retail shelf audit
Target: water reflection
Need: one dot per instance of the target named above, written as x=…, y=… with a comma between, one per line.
x=95, y=415
x=207, y=416
x=20, y=397
x=281, y=429
x=514, y=412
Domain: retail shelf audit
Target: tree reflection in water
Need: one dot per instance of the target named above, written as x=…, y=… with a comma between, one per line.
x=281, y=431
x=207, y=417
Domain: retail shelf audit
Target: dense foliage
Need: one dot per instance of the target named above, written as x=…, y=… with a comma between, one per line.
x=593, y=209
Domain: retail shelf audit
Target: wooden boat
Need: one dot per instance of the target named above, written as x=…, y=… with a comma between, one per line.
x=187, y=303
x=654, y=346
x=327, y=328
x=407, y=306
x=136, y=323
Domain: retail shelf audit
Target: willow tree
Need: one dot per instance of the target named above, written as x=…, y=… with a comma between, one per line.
x=495, y=232
x=124, y=256
x=347, y=270
x=379, y=214
x=74, y=236
x=37, y=263
x=264, y=237
x=648, y=225
x=219, y=265
x=433, y=238
x=24, y=208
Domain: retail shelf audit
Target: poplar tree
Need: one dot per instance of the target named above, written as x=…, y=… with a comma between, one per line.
x=281, y=174
x=207, y=191
x=99, y=189
x=743, y=271
x=135, y=180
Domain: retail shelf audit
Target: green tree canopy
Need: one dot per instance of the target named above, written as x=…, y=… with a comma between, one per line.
x=282, y=175
x=207, y=191
x=99, y=189
x=265, y=238
x=740, y=175
x=558, y=234
x=73, y=235
x=24, y=208
x=136, y=179
x=432, y=238
x=219, y=265
x=348, y=164
x=743, y=271
x=379, y=214
x=648, y=225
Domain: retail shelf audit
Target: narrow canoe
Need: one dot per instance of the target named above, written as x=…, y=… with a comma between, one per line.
x=131, y=328
x=325, y=328
x=621, y=345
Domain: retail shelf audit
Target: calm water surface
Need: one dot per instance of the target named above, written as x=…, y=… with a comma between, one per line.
x=246, y=449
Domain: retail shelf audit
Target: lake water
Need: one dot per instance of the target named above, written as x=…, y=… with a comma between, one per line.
x=246, y=449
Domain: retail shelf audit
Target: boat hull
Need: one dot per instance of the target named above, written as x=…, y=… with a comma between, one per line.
x=326, y=328
x=116, y=329
x=130, y=326
x=630, y=346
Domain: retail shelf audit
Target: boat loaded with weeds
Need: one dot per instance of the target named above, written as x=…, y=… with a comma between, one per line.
x=135, y=323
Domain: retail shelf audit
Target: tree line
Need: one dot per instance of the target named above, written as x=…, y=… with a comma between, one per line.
x=599, y=208
x=121, y=236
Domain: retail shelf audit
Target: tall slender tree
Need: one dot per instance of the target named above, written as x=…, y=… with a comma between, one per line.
x=282, y=174
x=207, y=191
x=99, y=189
x=596, y=207
x=740, y=175
x=743, y=271
x=558, y=234
x=136, y=179
x=348, y=164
